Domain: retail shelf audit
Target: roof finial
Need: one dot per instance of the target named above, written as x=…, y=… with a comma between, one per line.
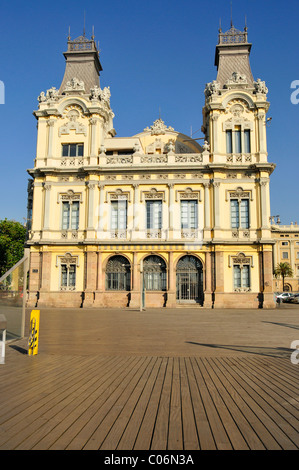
x=84, y=26
x=92, y=35
x=245, y=28
x=69, y=36
x=231, y=14
x=220, y=29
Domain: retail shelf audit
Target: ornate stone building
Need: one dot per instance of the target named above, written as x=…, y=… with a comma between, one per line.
x=155, y=216
x=286, y=250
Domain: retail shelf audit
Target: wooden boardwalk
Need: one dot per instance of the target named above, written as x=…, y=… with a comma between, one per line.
x=142, y=403
x=148, y=402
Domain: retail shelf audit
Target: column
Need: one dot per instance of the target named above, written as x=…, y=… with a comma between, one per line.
x=91, y=190
x=208, y=280
x=100, y=227
x=136, y=279
x=262, y=133
x=47, y=188
x=264, y=203
x=216, y=185
x=214, y=119
x=171, y=294
x=93, y=149
x=170, y=210
x=207, y=211
x=136, y=214
x=50, y=125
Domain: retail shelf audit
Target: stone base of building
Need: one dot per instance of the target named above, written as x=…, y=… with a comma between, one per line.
x=98, y=299
x=243, y=300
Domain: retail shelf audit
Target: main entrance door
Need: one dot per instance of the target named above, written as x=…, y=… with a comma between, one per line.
x=189, y=280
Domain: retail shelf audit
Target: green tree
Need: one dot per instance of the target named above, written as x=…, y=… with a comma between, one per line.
x=284, y=270
x=12, y=240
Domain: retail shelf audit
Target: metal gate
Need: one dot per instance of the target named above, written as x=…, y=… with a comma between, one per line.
x=189, y=280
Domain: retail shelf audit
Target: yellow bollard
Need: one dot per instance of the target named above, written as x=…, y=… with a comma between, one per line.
x=34, y=333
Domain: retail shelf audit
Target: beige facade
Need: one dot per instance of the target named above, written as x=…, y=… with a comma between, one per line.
x=286, y=250
x=154, y=216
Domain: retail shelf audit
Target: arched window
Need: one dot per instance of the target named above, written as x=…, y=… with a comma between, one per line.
x=118, y=273
x=154, y=269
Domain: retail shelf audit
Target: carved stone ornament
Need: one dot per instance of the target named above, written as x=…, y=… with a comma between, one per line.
x=237, y=79
x=241, y=259
x=212, y=88
x=260, y=86
x=96, y=93
x=158, y=128
x=70, y=196
x=239, y=194
x=188, y=193
x=68, y=259
x=154, y=194
x=72, y=124
x=74, y=85
x=51, y=95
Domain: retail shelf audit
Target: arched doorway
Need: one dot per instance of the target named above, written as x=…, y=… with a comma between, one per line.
x=118, y=273
x=154, y=268
x=189, y=280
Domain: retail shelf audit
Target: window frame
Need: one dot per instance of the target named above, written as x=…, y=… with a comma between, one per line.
x=78, y=145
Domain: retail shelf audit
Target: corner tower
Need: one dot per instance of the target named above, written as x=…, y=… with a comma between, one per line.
x=235, y=124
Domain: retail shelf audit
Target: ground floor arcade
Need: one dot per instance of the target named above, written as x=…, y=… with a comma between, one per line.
x=152, y=276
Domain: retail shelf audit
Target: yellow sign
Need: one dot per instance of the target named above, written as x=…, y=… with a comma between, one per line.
x=33, y=333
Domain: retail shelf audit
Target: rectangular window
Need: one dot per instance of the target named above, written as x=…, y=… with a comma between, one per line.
x=229, y=142
x=285, y=255
x=245, y=276
x=239, y=213
x=154, y=214
x=189, y=214
x=237, y=276
x=244, y=213
x=68, y=275
x=234, y=209
x=119, y=215
x=238, y=144
x=241, y=276
x=70, y=215
x=72, y=150
x=247, y=147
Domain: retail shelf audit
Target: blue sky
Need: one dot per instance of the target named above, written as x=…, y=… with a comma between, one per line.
x=155, y=55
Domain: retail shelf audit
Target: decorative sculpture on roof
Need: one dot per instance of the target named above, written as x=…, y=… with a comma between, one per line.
x=158, y=128
x=75, y=85
x=260, y=86
x=51, y=95
x=212, y=88
x=96, y=93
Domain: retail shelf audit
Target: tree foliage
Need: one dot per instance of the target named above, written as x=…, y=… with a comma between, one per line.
x=12, y=240
x=284, y=270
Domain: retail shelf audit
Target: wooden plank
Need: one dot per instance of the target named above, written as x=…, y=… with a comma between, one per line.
x=175, y=432
x=129, y=437
x=128, y=420
x=112, y=413
x=266, y=414
x=247, y=406
x=58, y=417
x=218, y=430
x=160, y=434
x=235, y=436
x=238, y=409
x=27, y=428
x=77, y=434
x=190, y=437
x=205, y=435
x=144, y=437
